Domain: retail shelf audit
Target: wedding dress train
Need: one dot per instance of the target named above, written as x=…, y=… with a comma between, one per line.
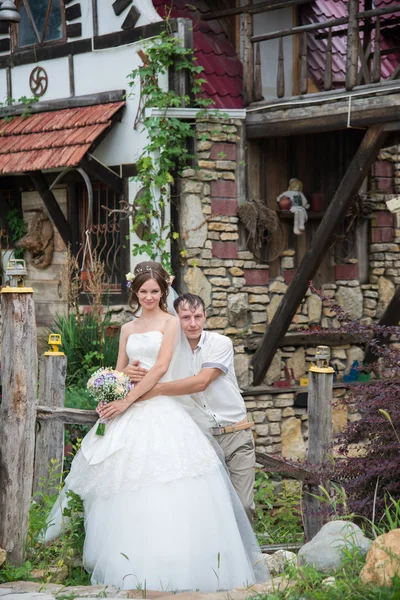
x=160, y=511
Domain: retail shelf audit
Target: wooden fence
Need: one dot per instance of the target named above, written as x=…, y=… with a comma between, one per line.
x=32, y=433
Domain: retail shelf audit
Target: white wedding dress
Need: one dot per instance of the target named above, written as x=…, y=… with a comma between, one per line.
x=160, y=512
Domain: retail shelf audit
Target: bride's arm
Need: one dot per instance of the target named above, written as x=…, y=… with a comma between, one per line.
x=152, y=377
x=123, y=359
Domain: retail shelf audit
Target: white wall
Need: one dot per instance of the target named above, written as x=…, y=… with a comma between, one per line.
x=267, y=23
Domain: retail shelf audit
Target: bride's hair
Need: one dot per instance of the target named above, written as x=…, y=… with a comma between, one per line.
x=143, y=272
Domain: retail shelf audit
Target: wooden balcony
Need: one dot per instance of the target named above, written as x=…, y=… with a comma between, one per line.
x=361, y=46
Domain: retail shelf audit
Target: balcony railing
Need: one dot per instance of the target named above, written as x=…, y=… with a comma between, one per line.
x=362, y=54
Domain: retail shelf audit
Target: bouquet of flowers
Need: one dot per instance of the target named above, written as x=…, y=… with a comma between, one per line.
x=107, y=385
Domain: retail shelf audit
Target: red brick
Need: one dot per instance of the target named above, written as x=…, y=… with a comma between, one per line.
x=382, y=168
x=343, y=272
x=223, y=189
x=223, y=206
x=221, y=151
x=384, y=184
x=256, y=276
x=288, y=275
x=225, y=249
x=383, y=218
x=382, y=234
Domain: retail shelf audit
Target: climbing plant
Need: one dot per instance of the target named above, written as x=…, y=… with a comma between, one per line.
x=166, y=152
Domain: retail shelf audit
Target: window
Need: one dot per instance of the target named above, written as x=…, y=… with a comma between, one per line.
x=41, y=21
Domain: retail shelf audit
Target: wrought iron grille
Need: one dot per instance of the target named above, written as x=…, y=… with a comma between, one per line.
x=105, y=236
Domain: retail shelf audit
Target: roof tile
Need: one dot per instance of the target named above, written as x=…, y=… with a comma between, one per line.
x=50, y=140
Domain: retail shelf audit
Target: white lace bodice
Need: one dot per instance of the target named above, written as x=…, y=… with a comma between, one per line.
x=144, y=347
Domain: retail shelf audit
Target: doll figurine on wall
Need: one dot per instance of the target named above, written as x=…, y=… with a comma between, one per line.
x=295, y=201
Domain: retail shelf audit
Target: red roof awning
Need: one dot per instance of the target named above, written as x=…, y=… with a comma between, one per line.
x=52, y=140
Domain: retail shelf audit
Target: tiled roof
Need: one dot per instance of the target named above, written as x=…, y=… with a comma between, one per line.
x=223, y=70
x=324, y=10
x=51, y=140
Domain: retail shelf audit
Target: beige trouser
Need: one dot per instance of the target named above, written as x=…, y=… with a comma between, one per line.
x=240, y=459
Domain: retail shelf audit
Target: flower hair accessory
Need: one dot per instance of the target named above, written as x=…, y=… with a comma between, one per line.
x=130, y=277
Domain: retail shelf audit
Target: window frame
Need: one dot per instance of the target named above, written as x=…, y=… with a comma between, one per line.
x=61, y=40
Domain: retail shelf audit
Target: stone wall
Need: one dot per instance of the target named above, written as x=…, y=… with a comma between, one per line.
x=242, y=299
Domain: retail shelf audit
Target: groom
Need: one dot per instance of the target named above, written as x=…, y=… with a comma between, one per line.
x=215, y=388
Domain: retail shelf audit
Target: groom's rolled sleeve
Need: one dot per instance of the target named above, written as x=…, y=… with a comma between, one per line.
x=218, y=355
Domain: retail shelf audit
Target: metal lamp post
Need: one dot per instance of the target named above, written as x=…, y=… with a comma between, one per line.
x=9, y=12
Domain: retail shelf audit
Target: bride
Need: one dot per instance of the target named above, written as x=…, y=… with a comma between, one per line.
x=160, y=512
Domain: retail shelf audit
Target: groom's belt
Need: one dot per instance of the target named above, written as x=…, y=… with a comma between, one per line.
x=245, y=424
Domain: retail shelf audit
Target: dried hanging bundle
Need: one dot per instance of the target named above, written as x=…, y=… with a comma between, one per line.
x=259, y=221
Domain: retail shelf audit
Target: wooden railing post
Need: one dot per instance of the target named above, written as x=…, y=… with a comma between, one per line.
x=17, y=418
x=248, y=59
x=280, y=75
x=353, y=40
x=320, y=391
x=50, y=435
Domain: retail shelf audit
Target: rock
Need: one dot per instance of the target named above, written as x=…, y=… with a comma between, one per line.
x=192, y=222
x=237, y=309
x=328, y=581
x=297, y=362
x=383, y=560
x=272, y=307
x=3, y=556
x=386, y=290
x=241, y=362
x=198, y=283
x=351, y=300
x=277, y=561
x=354, y=353
x=293, y=445
x=314, y=307
x=274, y=371
x=278, y=287
x=325, y=550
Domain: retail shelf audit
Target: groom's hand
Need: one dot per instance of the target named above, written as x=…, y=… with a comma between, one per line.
x=134, y=372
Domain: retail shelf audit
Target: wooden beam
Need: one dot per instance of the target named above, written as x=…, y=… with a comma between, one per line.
x=298, y=116
x=252, y=342
x=353, y=41
x=73, y=416
x=50, y=202
x=100, y=172
x=280, y=465
x=253, y=9
x=348, y=188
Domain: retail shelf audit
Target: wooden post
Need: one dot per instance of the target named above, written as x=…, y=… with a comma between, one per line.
x=328, y=63
x=248, y=59
x=258, y=95
x=320, y=389
x=376, y=63
x=353, y=40
x=280, y=76
x=17, y=419
x=50, y=436
x=303, y=83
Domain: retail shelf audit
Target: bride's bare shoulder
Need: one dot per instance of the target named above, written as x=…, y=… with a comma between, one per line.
x=128, y=328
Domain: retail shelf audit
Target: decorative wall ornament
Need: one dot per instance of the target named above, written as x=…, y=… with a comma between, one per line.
x=38, y=81
x=39, y=240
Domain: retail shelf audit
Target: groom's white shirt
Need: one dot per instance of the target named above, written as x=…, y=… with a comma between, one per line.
x=222, y=399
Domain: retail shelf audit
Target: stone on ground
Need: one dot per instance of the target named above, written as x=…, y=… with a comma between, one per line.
x=277, y=561
x=325, y=550
x=383, y=560
x=3, y=556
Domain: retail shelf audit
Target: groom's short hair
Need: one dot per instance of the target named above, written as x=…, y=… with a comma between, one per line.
x=191, y=300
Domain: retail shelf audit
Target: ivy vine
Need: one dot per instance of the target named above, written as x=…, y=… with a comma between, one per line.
x=166, y=152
